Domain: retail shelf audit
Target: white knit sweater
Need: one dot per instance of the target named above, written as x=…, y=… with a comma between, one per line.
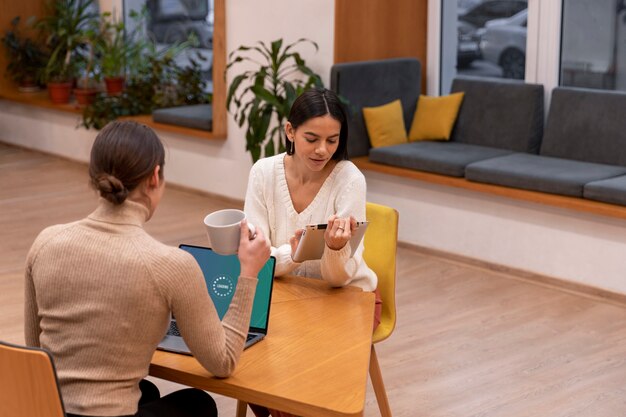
x=269, y=206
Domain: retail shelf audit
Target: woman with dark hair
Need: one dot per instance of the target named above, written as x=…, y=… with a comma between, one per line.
x=312, y=183
x=100, y=291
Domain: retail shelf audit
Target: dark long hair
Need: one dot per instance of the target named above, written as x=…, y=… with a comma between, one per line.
x=123, y=155
x=318, y=102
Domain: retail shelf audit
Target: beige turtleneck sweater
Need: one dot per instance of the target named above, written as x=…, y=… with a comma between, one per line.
x=98, y=296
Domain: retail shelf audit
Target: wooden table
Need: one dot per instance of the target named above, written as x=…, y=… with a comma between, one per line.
x=313, y=362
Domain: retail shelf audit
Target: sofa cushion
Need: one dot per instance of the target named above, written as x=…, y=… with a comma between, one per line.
x=385, y=125
x=504, y=114
x=372, y=83
x=197, y=116
x=435, y=117
x=447, y=158
x=540, y=173
x=586, y=125
x=611, y=191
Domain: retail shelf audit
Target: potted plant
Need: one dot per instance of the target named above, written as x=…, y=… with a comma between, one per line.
x=26, y=58
x=113, y=50
x=64, y=28
x=87, y=84
x=262, y=97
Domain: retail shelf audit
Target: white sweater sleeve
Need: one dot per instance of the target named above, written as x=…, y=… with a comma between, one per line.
x=337, y=268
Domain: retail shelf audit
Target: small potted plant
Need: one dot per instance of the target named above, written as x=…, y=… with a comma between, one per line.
x=26, y=58
x=87, y=85
x=113, y=50
x=64, y=28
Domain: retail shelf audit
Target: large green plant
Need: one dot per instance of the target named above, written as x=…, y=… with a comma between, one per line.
x=262, y=97
x=64, y=27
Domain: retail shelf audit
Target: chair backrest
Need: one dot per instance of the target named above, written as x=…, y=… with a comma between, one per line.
x=381, y=241
x=28, y=383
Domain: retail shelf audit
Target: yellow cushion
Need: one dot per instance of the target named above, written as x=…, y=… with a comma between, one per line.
x=385, y=124
x=435, y=117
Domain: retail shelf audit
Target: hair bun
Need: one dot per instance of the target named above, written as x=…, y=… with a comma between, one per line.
x=111, y=188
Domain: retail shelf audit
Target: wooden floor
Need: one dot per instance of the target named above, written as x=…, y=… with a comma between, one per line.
x=469, y=342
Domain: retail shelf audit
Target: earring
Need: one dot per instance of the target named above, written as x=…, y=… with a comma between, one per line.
x=292, y=147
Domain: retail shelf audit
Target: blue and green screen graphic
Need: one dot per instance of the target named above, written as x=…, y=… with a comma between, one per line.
x=221, y=273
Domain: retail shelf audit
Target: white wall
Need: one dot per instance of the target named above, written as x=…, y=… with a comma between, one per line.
x=578, y=247
x=560, y=243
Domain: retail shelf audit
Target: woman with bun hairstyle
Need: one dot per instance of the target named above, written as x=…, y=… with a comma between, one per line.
x=99, y=292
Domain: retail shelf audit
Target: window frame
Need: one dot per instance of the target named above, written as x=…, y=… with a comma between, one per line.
x=542, y=58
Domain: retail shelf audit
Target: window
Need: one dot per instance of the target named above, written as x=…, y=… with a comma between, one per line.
x=490, y=39
x=593, y=44
x=173, y=20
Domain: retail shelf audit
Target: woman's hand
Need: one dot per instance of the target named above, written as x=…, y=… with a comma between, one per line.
x=295, y=240
x=339, y=231
x=254, y=251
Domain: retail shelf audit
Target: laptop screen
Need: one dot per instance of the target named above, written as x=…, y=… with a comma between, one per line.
x=221, y=273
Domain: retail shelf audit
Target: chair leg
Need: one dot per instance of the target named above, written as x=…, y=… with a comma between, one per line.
x=242, y=408
x=379, y=387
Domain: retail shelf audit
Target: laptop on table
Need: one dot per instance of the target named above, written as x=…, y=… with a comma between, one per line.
x=220, y=274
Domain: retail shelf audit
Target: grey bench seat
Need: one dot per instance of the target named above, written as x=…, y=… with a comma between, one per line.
x=446, y=158
x=197, y=116
x=611, y=191
x=541, y=173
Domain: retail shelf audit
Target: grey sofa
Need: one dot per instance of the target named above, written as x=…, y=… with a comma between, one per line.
x=583, y=152
x=498, y=137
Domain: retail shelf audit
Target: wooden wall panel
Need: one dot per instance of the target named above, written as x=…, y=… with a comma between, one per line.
x=8, y=10
x=378, y=29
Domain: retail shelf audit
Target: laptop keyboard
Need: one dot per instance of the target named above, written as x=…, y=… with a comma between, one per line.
x=173, y=330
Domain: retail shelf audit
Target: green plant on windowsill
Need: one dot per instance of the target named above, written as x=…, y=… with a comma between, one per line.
x=64, y=29
x=25, y=57
x=113, y=50
x=262, y=97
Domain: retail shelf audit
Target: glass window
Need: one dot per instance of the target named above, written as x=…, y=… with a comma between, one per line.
x=593, y=44
x=173, y=21
x=490, y=39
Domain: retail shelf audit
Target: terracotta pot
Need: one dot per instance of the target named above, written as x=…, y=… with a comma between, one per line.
x=28, y=85
x=85, y=96
x=60, y=92
x=114, y=85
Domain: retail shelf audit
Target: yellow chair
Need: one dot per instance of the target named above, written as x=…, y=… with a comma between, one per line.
x=381, y=240
x=28, y=383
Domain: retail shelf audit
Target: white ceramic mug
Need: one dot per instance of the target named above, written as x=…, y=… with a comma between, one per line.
x=223, y=229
